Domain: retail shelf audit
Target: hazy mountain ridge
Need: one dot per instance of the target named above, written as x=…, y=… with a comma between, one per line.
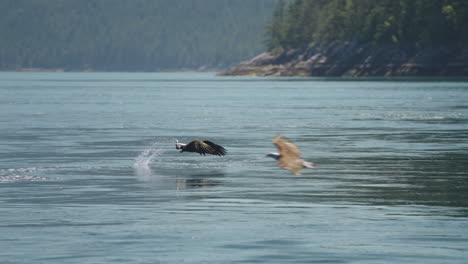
x=137, y=35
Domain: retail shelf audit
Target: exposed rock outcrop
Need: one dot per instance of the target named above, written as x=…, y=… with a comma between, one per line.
x=352, y=59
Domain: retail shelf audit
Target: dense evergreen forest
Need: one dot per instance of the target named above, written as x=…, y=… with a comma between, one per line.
x=415, y=23
x=136, y=35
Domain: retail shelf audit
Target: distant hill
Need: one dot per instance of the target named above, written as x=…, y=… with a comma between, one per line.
x=364, y=38
x=130, y=35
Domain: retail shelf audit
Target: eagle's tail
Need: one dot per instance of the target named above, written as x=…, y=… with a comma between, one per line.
x=309, y=165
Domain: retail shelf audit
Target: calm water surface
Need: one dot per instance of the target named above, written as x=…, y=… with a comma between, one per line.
x=89, y=172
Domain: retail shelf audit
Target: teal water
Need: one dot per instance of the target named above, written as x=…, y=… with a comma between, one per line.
x=89, y=172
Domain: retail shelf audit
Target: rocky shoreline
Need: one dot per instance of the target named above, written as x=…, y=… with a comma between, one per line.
x=356, y=60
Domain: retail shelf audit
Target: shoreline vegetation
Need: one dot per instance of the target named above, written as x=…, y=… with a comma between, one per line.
x=355, y=38
x=329, y=38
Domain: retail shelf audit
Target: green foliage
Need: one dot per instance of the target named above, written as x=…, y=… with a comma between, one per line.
x=413, y=22
x=274, y=32
x=130, y=35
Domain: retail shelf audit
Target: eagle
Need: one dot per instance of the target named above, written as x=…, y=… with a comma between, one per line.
x=201, y=147
x=289, y=156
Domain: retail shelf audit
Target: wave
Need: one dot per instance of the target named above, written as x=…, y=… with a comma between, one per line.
x=18, y=178
x=21, y=174
x=407, y=116
x=25, y=170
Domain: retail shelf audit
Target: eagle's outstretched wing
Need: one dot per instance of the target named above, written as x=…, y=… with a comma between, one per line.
x=205, y=147
x=216, y=149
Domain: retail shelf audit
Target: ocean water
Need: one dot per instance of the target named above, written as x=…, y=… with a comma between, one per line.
x=89, y=172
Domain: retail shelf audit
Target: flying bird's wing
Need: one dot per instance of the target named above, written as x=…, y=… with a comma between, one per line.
x=290, y=155
x=216, y=149
x=199, y=147
x=205, y=147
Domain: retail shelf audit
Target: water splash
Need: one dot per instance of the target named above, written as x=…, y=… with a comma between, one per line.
x=141, y=165
x=146, y=157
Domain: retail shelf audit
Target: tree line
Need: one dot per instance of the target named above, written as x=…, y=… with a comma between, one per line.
x=136, y=35
x=414, y=23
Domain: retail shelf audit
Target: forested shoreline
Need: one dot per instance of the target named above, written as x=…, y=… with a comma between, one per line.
x=300, y=37
x=137, y=35
x=416, y=23
x=364, y=38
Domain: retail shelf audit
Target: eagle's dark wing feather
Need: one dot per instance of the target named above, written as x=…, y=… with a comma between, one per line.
x=198, y=146
x=216, y=149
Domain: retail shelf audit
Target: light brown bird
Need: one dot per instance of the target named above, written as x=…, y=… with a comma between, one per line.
x=289, y=156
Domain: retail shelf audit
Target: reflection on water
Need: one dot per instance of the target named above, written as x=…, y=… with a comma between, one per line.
x=167, y=180
x=199, y=181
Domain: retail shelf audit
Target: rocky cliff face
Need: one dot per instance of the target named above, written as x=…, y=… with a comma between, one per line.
x=352, y=59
